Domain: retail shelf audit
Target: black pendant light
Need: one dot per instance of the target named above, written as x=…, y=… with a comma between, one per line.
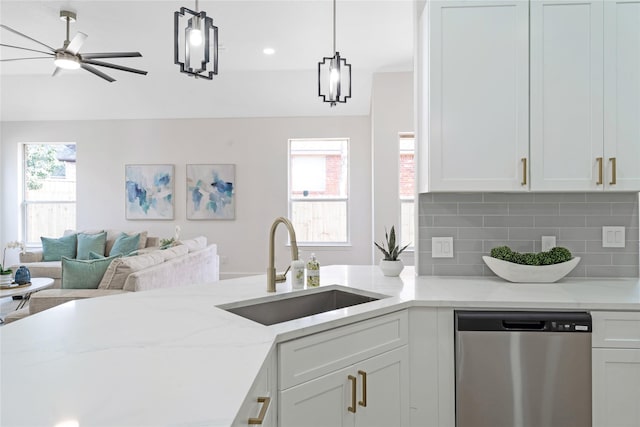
x=334, y=74
x=195, y=41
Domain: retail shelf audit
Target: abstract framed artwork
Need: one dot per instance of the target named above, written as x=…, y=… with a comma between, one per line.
x=211, y=192
x=149, y=191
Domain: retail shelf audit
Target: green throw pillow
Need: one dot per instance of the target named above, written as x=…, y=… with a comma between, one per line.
x=91, y=243
x=95, y=255
x=83, y=274
x=55, y=249
x=125, y=244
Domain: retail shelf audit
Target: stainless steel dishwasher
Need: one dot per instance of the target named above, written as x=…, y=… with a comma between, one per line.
x=523, y=369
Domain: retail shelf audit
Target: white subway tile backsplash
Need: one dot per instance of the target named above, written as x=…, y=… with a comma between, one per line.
x=481, y=221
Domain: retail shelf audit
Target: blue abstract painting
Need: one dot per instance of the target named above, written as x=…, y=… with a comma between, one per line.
x=149, y=191
x=211, y=191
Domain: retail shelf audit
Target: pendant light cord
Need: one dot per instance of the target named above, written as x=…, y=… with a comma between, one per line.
x=334, y=26
x=197, y=8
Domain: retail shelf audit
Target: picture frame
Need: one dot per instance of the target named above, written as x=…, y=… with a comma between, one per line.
x=211, y=191
x=149, y=191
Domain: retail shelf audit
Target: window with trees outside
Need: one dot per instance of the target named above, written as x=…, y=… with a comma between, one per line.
x=319, y=190
x=49, y=190
x=407, y=179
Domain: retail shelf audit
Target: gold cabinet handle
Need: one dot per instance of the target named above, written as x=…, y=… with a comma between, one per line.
x=613, y=170
x=599, y=160
x=263, y=411
x=353, y=380
x=524, y=171
x=363, y=402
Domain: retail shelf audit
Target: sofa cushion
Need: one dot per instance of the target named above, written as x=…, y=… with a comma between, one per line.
x=125, y=244
x=112, y=235
x=51, y=269
x=83, y=274
x=121, y=268
x=195, y=244
x=55, y=249
x=91, y=243
x=174, y=251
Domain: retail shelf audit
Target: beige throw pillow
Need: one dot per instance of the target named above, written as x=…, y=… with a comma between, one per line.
x=121, y=268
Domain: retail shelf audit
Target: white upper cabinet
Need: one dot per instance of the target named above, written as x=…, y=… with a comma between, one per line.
x=554, y=84
x=622, y=94
x=474, y=92
x=566, y=95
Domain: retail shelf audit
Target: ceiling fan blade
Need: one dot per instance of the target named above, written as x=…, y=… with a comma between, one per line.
x=22, y=59
x=56, y=71
x=27, y=37
x=76, y=43
x=25, y=48
x=97, y=72
x=111, y=55
x=114, y=66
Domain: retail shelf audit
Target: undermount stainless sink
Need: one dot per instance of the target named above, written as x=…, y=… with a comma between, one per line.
x=278, y=309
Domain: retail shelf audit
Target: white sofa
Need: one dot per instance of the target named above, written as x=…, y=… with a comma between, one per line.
x=33, y=260
x=190, y=261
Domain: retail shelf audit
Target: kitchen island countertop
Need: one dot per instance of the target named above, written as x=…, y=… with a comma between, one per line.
x=171, y=357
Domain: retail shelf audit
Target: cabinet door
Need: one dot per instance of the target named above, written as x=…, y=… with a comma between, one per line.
x=386, y=389
x=478, y=120
x=622, y=94
x=320, y=402
x=616, y=387
x=566, y=95
x=260, y=403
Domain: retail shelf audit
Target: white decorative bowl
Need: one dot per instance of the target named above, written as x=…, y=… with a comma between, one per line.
x=519, y=273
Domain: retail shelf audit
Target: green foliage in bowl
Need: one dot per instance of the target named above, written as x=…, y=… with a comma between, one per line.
x=554, y=256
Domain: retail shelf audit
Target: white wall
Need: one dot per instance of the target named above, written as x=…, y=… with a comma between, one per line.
x=258, y=148
x=391, y=113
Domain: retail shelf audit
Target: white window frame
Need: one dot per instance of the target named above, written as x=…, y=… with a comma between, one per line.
x=26, y=203
x=406, y=199
x=346, y=199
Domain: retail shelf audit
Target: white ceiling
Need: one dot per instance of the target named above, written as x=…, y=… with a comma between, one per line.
x=374, y=36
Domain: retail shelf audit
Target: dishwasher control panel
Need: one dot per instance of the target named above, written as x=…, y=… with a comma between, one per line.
x=569, y=327
x=523, y=321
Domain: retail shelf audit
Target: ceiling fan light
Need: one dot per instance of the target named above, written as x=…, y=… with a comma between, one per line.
x=67, y=62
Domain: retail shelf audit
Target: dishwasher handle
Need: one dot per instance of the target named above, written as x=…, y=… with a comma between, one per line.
x=527, y=325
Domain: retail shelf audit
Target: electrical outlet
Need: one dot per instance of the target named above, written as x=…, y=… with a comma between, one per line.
x=548, y=243
x=442, y=247
x=613, y=237
x=223, y=259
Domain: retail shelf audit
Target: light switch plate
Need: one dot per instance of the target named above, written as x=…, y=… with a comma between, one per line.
x=442, y=247
x=613, y=237
x=548, y=243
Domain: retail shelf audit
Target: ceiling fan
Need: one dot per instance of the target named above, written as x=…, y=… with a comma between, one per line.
x=68, y=57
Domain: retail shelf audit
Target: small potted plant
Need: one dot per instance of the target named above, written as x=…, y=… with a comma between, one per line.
x=391, y=265
x=6, y=274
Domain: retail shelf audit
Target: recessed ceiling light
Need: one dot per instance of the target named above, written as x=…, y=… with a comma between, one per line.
x=268, y=51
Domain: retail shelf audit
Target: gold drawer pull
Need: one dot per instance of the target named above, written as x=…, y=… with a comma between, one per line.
x=524, y=171
x=263, y=411
x=613, y=170
x=363, y=402
x=353, y=380
x=599, y=160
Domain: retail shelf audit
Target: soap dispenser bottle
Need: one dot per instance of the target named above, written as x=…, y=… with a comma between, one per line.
x=313, y=272
x=297, y=274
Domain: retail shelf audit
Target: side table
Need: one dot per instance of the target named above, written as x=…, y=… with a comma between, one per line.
x=37, y=284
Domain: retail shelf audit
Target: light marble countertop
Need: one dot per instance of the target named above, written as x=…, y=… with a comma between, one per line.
x=170, y=357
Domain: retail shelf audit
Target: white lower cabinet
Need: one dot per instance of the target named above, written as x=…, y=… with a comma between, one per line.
x=373, y=392
x=259, y=407
x=616, y=369
x=355, y=375
x=616, y=387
